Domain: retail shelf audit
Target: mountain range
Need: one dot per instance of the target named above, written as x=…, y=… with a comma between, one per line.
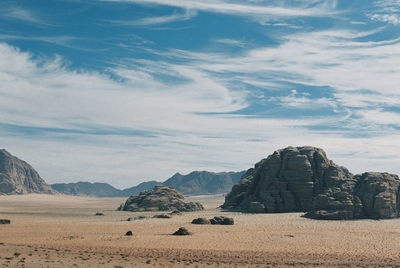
x=18, y=177
x=194, y=183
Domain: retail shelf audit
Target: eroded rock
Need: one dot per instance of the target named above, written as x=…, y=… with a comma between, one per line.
x=303, y=179
x=161, y=198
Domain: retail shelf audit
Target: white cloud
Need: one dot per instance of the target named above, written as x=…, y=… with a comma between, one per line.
x=156, y=20
x=258, y=12
x=386, y=11
x=19, y=13
x=185, y=124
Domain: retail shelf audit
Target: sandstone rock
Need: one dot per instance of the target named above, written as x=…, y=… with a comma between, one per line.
x=201, y=221
x=182, y=231
x=303, y=179
x=221, y=220
x=5, y=221
x=18, y=177
x=161, y=198
x=286, y=181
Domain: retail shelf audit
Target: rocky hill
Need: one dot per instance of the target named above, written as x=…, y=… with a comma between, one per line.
x=303, y=179
x=86, y=189
x=204, y=182
x=18, y=177
x=161, y=198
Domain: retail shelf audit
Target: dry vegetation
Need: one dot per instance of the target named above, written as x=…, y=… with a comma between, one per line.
x=62, y=231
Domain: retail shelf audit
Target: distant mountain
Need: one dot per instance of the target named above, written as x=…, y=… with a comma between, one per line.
x=196, y=182
x=204, y=182
x=18, y=177
x=135, y=190
x=87, y=189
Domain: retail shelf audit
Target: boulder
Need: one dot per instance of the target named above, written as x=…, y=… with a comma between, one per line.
x=221, y=220
x=182, y=231
x=201, y=221
x=162, y=216
x=303, y=179
x=129, y=233
x=5, y=221
x=161, y=198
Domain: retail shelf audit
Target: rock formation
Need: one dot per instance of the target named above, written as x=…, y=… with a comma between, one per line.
x=18, y=177
x=5, y=221
x=201, y=221
x=161, y=198
x=303, y=179
x=182, y=231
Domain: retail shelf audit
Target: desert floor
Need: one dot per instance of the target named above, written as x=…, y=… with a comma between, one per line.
x=63, y=231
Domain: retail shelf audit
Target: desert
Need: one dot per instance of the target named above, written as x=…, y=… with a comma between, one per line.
x=63, y=231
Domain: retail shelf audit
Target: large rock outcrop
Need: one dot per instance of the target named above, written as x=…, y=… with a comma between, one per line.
x=18, y=177
x=161, y=198
x=303, y=179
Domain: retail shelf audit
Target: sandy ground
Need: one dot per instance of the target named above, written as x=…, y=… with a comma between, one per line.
x=62, y=231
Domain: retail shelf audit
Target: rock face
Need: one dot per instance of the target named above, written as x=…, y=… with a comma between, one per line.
x=303, y=179
x=161, y=198
x=18, y=177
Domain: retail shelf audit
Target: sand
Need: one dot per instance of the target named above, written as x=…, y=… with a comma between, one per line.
x=63, y=231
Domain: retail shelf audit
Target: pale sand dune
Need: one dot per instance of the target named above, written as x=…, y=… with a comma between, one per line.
x=64, y=232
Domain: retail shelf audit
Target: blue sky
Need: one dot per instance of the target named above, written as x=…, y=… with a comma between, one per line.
x=124, y=91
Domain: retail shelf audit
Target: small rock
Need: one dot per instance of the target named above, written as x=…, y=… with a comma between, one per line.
x=99, y=214
x=162, y=216
x=201, y=221
x=129, y=233
x=182, y=231
x=221, y=220
x=5, y=221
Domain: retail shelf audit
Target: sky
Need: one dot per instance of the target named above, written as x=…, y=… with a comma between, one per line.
x=125, y=91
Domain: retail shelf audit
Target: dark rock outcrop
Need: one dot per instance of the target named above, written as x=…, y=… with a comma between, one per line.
x=18, y=177
x=162, y=216
x=221, y=220
x=5, y=221
x=129, y=233
x=161, y=198
x=182, y=231
x=303, y=179
x=201, y=221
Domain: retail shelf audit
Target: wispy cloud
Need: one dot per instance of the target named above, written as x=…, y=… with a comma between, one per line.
x=386, y=11
x=156, y=20
x=18, y=13
x=258, y=12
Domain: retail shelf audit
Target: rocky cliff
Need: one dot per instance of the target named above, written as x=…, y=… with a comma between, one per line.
x=18, y=177
x=303, y=179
